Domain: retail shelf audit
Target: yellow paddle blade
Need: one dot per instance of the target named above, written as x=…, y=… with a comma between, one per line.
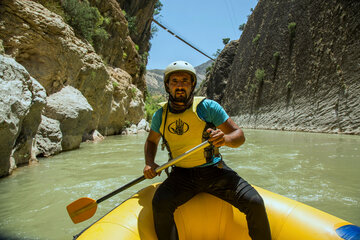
x=82, y=209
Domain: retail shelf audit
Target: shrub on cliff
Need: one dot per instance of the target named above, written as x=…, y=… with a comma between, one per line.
x=152, y=105
x=53, y=6
x=2, y=50
x=157, y=9
x=260, y=75
x=86, y=20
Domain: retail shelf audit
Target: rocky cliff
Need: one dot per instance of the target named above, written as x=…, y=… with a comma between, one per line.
x=53, y=77
x=295, y=67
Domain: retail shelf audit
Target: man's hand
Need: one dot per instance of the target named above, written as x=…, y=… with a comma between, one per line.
x=217, y=137
x=227, y=134
x=149, y=171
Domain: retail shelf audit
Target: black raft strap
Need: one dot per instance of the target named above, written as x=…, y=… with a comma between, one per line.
x=164, y=142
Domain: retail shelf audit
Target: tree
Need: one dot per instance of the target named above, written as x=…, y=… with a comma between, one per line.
x=226, y=40
x=242, y=27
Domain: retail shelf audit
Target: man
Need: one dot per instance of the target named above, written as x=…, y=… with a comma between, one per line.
x=183, y=123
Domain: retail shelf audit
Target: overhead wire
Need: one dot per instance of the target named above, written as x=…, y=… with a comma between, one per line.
x=181, y=39
x=231, y=16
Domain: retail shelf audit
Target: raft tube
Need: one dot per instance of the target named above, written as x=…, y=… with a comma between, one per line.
x=206, y=217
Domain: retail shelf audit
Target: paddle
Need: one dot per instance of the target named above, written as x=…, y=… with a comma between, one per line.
x=84, y=208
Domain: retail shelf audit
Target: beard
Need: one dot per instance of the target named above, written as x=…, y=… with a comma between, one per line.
x=180, y=98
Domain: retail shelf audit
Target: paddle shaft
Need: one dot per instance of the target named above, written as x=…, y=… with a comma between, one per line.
x=158, y=169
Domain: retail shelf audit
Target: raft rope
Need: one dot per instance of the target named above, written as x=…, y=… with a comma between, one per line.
x=172, y=33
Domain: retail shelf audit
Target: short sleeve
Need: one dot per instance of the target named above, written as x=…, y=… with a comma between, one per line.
x=211, y=111
x=156, y=120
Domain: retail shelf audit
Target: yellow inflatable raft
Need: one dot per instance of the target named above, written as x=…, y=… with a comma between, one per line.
x=206, y=217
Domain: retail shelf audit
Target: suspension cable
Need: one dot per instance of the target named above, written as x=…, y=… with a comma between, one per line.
x=169, y=31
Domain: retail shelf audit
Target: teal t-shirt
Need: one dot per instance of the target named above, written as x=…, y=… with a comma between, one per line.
x=208, y=110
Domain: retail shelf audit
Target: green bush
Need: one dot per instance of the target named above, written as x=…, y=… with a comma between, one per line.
x=260, y=75
x=226, y=40
x=157, y=8
x=131, y=22
x=218, y=51
x=86, y=20
x=53, y=6
x=242, y=27
x=152, y=105
x=289, y=85
x=2, y=50
x=292, y=28
x=256, y=39
x=144, y=56
x=153, y=31
x=133, y=91
x=276, y=55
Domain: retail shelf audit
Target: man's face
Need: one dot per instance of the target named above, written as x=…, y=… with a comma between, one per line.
x=180, y=86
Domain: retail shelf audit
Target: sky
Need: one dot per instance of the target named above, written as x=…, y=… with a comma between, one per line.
x=203, y=23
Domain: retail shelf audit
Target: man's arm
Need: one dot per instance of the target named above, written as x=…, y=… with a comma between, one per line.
x=228, y=134
x=150, y=150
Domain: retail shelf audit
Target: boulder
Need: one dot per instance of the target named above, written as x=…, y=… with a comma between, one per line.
x=25, y=141
x=48, y=137
x=72, y=110
x=130, y=131
x=94, y=136
x=22, y=99
x=142, y=128
x=143, y=125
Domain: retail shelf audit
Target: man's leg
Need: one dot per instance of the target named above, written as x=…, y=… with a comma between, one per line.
x=173, y=192
x=229, y=186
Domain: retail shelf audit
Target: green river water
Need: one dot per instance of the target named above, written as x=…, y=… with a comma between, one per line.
x=320, y=170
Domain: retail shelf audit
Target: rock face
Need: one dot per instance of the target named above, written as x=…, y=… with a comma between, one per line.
x=220, y=73
x=72, y=110
x=48, y=48
x=296, y=67
x=89, y=88
x=22, y=99
x=48, y=137
x=142, y=11
x=125, y=103
x=125, y=48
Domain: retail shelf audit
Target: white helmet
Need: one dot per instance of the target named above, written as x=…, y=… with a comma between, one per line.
x=180, y=66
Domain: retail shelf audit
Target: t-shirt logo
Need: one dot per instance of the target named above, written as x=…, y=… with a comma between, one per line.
x=178, y=127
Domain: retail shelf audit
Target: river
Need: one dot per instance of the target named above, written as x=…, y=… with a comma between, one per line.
x=320, y=170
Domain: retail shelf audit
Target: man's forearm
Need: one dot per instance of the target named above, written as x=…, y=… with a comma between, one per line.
x=235, y=138
x=150, y=152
